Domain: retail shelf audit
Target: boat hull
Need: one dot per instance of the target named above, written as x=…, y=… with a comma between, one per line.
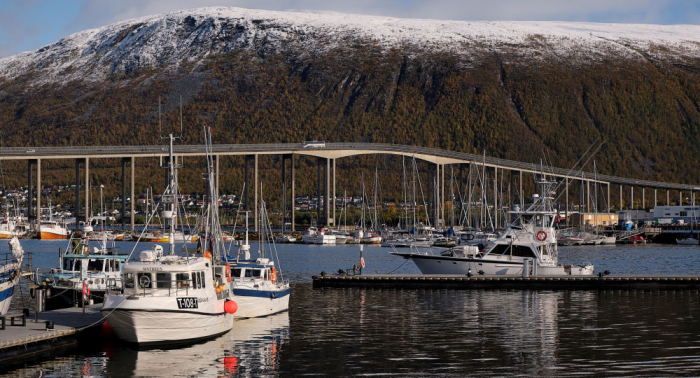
x=45, y=235
x=430, y=264
x=256, y=303
x=7, y=288
x=146, y=327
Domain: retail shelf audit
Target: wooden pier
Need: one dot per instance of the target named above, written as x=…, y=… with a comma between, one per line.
x=37, y=336
x=448, y=281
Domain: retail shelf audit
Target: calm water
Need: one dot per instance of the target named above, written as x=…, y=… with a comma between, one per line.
x=348, y=332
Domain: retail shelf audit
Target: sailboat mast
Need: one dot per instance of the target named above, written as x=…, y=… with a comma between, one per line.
x=173, y=197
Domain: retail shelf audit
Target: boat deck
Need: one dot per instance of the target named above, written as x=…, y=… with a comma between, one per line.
x=448, y=281
x=17, y=340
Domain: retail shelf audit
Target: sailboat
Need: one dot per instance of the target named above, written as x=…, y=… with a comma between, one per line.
x=258, y=285
x=10, y=273
x=176, y=298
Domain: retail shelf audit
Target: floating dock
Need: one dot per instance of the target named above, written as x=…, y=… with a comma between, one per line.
x=449, y=281
x=50, y=330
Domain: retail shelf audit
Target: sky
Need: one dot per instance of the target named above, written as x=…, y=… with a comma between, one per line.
x=27, y=25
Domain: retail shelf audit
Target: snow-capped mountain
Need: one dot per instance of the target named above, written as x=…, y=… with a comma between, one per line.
x=167, y=41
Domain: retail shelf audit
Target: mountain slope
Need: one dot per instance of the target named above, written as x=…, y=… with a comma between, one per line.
x=518, y=90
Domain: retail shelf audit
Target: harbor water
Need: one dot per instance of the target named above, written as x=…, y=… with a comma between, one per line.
x=349, y=332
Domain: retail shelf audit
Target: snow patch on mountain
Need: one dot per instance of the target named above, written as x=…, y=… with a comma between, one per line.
x=189, y=36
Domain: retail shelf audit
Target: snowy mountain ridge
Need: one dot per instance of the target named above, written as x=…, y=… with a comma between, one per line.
x=189, y=36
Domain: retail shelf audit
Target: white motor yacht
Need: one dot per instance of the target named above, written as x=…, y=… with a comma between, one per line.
x=531, y=238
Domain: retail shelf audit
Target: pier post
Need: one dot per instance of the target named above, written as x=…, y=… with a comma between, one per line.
x=431, y=198
x=644, y=202
x=87, y=190
x=655, y=201
x=77, y=189
x=246, y=182
x=319, y=195
x=680, y=193
x=293, y=199
x=216, y=177
x=124, y=161
x=588, y=196
x=133, y=198
x=522, y=197
x=566, y=209
x=334, y=193
x=632, y=197
x=327, y=191
x=38, y=192
x=30, y=192
x=255, y=195
x=620, y=196
x=495, y=197
x=608, y=210
x=441, y=214
x=284, y=193
x=668, y=198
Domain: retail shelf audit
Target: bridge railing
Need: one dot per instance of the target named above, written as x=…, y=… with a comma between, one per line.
x=299, y=148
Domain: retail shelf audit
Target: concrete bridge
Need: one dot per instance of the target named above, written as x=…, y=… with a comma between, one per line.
x=327, y=154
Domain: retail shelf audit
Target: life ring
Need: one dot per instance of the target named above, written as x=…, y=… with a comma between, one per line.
x=228, y=272
x=541, y=236
x=145, y=281
x=273, y=275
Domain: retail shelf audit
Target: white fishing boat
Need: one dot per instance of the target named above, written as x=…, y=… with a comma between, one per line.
x=176, y=298
x=10, y=273
x=80, y=270
x=11, y=227
x=318, y=236
x=531, y=238
x=258, y=284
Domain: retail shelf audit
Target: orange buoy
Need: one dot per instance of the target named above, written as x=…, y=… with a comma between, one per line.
x=228, y=272
x=208, y=255
x=230, y=307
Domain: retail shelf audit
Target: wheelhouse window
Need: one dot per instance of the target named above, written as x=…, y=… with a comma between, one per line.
x=202, y=280
x=129, y=281
x=252, y=272
x=145, y=280
x=236, y=272
x=96, y=265
x=163, y=281
x=183, y=279
x=68, y=264
x=514, y=250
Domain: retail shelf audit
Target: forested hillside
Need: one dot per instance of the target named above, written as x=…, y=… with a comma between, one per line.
x=521, y=101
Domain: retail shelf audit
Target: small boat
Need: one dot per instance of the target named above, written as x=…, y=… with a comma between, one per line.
x=688, y=241
x=174, y=298
x=81, y=269
x=285, y=239
x=371, y=237
x=315, y=236
x=258, y=285
x=11, y=227
x=51, y=230
x=10, y=273
x=531, y=238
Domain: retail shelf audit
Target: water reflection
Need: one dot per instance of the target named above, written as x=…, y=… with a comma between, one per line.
x=250, y=349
